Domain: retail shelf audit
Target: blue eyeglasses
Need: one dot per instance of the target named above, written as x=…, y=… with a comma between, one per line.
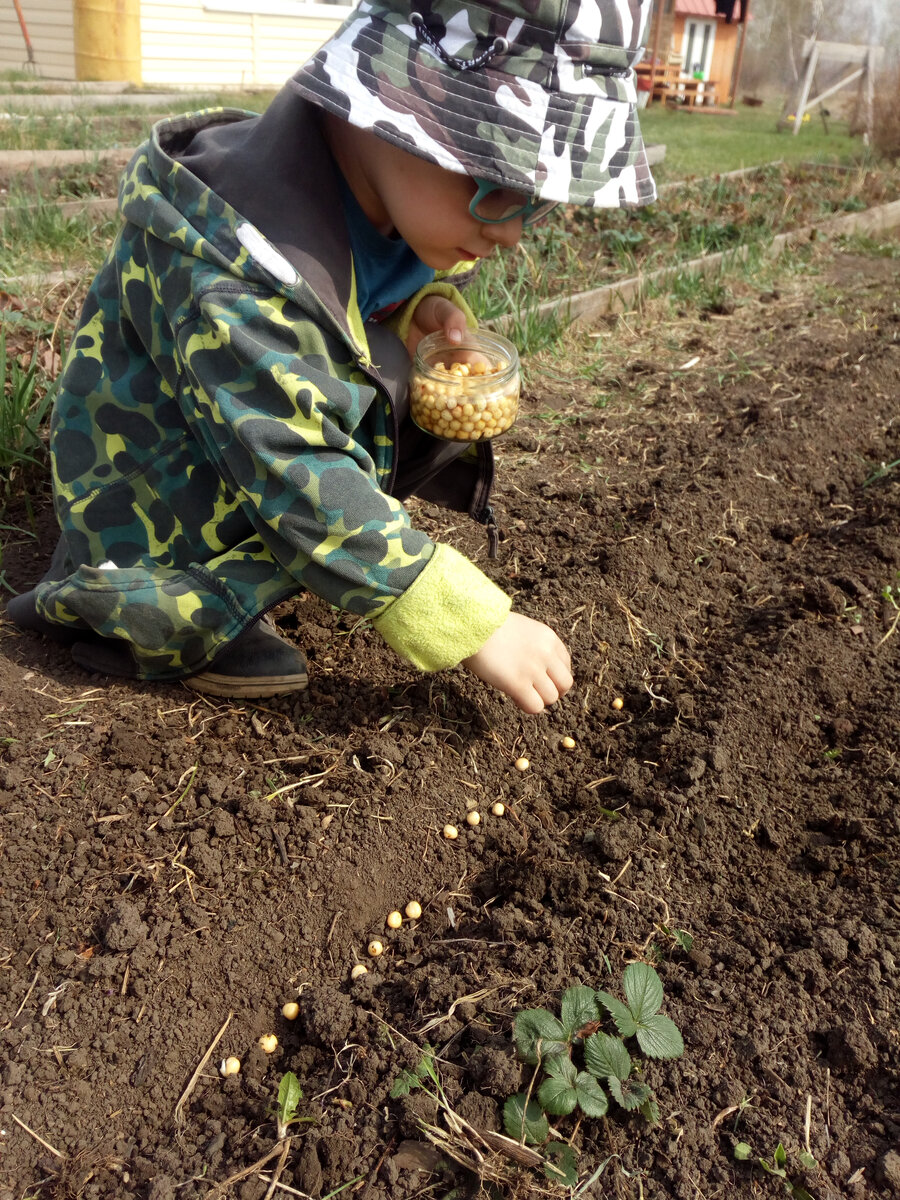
x=493, y=204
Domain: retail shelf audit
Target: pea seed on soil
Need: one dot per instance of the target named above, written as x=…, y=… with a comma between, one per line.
x=755, y=773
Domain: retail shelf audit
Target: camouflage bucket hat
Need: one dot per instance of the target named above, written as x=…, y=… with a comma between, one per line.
x=537, y=95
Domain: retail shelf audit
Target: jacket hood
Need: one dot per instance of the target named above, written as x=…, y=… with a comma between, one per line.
x=225, y=186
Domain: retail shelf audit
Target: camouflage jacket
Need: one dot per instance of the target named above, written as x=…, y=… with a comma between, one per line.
x=227, y=431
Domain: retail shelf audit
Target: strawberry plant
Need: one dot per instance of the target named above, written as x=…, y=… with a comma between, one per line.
x=582, y=1060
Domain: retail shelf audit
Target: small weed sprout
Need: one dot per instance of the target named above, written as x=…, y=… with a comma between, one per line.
x=882, y=471
x=680, y=937
x=549, y=1042
x=290, y=1094
x=778, y=1167
x=410, y=1079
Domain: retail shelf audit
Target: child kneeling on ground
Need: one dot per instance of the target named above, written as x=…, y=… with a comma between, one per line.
x=232, y=425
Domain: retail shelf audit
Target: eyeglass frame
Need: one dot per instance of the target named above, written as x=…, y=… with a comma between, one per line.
x=531, y=211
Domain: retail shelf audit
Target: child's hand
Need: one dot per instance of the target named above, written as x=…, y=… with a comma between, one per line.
x=433, y=313
x=526, y=660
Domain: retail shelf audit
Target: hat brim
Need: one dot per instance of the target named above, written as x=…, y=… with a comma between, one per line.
x=574, y=144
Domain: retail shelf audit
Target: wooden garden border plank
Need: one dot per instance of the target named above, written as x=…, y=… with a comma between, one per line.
x=25, y=160
x=582, y=307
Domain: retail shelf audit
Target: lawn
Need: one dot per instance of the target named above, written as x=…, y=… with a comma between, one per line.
x=701, y=144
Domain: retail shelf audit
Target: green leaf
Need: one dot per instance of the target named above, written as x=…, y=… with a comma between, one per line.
x=403, y=1085
x=425, y=1068
x=557, y=1097
x=780, y=1155
x=742, y=1151
x=591, y=1097
x=658, y=1037
x=520, y=1119
x=808, y=1160
x=289, y=1096
x=606, y=1056
x=643, y=990
x=630, y=1093
x=619, y=1012
x=650, y=1111
x=563, y=1168
x=538, y=1035
x=560, y=1066
x=579, y=1006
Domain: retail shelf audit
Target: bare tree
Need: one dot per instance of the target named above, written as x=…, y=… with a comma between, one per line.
x=779, y=28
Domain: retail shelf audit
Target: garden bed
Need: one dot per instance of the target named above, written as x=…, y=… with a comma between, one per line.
x=706, y=508
x=575, y=250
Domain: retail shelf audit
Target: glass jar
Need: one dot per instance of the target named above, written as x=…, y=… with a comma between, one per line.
x=465, y=391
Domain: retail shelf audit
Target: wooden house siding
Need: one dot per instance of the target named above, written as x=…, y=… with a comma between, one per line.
x=724, y=52
x=190, y=45
x=184, y=45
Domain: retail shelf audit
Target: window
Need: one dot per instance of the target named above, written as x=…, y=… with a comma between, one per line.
x=697, y=46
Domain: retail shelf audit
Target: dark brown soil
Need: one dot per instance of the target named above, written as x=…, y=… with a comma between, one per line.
x=714, y=541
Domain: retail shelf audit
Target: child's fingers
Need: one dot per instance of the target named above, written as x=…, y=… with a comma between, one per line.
x=444, y=314
x=530, y=702
x=552, y=686
x=560, y=674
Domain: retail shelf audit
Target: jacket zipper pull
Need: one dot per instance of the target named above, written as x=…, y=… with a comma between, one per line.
x=486, y=518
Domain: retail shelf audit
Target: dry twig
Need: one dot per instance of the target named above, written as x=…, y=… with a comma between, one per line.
x=56, y=1153
x=219, y=1189
x=192, y=1083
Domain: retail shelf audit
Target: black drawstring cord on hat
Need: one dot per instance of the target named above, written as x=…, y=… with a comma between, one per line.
x=424, y=34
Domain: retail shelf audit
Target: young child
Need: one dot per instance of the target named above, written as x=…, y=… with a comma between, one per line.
x=232, y=423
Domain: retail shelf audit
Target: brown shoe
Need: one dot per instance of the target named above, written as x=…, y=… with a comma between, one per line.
x=258, y=664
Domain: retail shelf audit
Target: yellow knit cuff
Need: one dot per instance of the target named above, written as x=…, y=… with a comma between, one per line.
x=401, y=320
x=448, y=612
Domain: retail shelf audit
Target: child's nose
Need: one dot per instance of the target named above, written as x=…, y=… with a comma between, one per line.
x=505, y=233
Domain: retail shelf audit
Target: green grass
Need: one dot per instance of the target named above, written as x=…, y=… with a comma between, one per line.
x=702, y=145
x=39, y=238
x=25, y=398
x=861, y=243
x=122, y=124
